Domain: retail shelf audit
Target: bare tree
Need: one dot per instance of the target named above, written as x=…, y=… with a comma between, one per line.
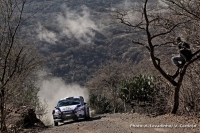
x=16, y=60
x=188, y=10
x=191, y=31
x=159, y=25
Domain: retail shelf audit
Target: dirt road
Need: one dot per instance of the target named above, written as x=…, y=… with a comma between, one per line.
x=129, y=123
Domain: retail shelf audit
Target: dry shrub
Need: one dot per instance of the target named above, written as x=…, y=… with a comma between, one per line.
x=190, y=95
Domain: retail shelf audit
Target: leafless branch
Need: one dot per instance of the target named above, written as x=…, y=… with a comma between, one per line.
x=120, y=16
x=183, y=7
x=170, y=30
x=140, y=43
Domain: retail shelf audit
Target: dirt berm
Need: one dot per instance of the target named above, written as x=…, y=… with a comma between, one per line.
x=23, y=119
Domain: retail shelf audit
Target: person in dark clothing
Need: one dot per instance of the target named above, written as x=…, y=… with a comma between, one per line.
x=185, y=55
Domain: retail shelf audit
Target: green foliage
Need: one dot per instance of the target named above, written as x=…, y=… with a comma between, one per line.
x=100, y=103
x=140, y=88
x=144, y=94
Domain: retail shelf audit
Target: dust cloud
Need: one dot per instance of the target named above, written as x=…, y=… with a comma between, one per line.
x=46, y=35
x=72, y=23
x=53, y=88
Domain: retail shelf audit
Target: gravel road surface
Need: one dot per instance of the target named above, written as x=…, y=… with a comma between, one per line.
x=129, y=123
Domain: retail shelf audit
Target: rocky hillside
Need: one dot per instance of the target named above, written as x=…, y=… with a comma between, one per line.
x=78, y=35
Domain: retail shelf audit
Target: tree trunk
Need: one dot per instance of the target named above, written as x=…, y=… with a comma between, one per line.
x=125, y=110
x=176, y=93
x=114, y=104
x=3, y=123
x=176, y=100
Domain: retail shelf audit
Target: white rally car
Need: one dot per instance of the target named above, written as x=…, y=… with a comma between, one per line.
x=70, y=108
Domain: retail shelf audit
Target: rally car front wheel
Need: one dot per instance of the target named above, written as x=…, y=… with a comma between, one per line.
x=55, y=123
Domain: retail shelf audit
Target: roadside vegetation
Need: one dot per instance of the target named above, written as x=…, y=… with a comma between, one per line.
x=160, y=24
x=19, y=63
x=131, y=92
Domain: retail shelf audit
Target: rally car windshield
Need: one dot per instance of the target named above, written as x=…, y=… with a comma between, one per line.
x=68, y=102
